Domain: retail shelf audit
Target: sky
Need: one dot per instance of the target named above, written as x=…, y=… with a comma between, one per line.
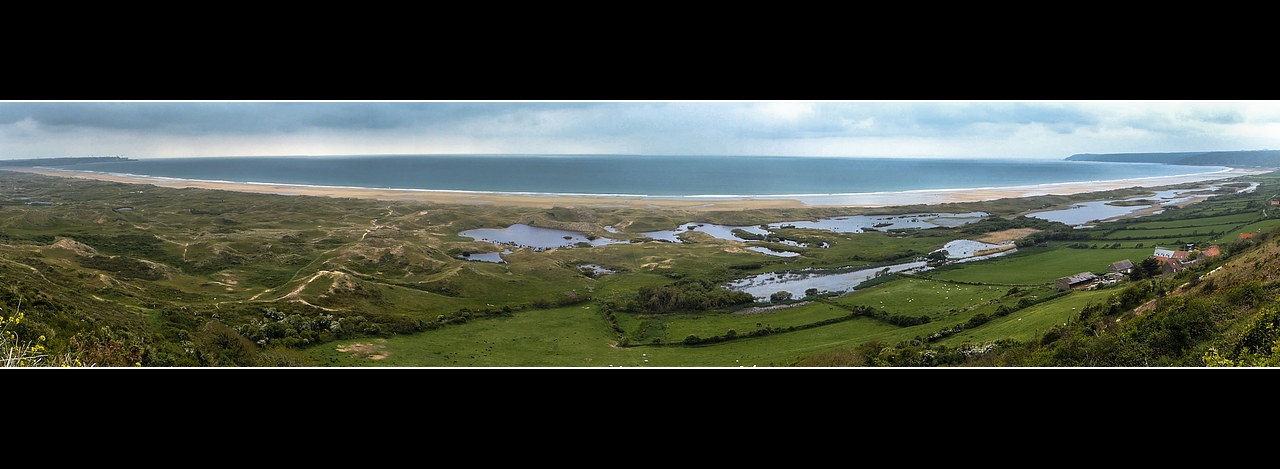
x=984, y=129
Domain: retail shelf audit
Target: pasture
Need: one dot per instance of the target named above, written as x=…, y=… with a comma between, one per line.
x=1039, y=265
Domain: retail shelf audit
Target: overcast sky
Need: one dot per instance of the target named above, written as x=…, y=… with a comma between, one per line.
x=1044, y=130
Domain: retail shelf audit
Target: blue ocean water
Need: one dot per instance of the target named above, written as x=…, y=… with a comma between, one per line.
x=640, y=175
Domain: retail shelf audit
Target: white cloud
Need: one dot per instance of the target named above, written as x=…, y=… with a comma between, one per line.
x=976, y=129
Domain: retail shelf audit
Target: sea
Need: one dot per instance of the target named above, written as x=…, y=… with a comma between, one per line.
x=641, y=175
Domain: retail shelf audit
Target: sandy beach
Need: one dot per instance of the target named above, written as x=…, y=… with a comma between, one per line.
x=878, y=199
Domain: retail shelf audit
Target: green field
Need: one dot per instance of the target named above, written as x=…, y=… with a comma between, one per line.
x=1039, y=265
x=1258, y=227
x=1230, y=220
x=1031, y=323
x=1190, y=234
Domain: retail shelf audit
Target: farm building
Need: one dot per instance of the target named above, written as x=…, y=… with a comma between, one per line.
x=1122, y=267
x=1169, y=254
x=1077, y=281
x=1212, y=251
x=1170, y=266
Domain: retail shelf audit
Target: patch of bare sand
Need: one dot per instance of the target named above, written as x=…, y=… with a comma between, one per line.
x=997, y=237
x=77, y=247
x=368, y=351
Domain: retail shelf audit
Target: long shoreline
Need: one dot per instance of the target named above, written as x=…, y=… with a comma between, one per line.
x=876, y=199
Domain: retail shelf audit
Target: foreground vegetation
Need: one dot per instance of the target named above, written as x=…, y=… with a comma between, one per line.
x=108, y=274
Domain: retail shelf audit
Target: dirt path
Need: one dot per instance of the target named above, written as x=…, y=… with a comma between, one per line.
x=997, y=237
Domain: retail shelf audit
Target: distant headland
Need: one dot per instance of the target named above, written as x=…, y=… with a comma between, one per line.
x=1233, y=159
x=62, y=161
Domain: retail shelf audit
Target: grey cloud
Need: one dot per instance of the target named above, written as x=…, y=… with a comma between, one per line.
x=196, y=118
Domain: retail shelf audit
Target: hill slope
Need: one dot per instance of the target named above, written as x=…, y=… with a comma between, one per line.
x=1235, y=159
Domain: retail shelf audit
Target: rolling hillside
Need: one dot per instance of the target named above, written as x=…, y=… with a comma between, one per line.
x=1234, y=159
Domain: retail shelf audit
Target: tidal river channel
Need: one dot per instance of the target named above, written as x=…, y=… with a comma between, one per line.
x=847, y=279
x=1079, y=215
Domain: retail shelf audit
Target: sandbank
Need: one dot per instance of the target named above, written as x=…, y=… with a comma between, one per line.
x=874, y=199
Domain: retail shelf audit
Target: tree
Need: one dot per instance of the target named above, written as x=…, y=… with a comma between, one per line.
x=811, y=292
x=1148, y=268
x=219, y=345
x=779, y=297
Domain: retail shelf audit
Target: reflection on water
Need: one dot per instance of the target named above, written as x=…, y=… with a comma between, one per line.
x=772, y=252
x=859, y=223
x=845, y=280
x=962, y=248
x=596, y=270
x=520, y=235
x=716, y=231
x=797, y=282
x=1082, y=213
x=847, y=224
x=495, y=257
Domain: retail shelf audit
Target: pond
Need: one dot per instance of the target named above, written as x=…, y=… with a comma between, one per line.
x=596, y=270
x=962, y=248
x=525, y=236
x=716, y=231
x=495, y=257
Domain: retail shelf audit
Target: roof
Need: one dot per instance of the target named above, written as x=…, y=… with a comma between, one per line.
x=1169, y=266
x=1212, y=251
x=1122, y=265
x=1080, y=277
